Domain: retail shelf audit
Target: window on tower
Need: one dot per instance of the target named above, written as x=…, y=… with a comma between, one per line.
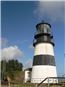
x=46, y=29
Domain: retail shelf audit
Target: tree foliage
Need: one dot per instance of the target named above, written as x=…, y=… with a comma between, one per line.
x=10, y=68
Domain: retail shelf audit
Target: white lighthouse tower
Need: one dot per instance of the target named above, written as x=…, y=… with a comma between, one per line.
x=44, y=60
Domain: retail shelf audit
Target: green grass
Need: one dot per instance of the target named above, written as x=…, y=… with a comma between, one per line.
x=33, y=85
x=20, y=85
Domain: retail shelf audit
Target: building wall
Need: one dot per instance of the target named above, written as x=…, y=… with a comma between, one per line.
x=44, y=48
x=41, y=72
x=27, y=76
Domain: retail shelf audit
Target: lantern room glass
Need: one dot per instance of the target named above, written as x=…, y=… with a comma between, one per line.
x=43, y=28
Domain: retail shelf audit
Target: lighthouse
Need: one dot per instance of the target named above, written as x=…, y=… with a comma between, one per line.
x=43, y=61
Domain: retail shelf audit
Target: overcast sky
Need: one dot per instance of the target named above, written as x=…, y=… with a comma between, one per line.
x=18, y=21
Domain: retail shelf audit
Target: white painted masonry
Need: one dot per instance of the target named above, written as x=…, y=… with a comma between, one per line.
x=41, y=72
x=44, y=49
x=26, y=76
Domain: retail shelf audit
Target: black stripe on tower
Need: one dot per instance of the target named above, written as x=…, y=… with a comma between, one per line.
x=44, y=39
x=41, y=34
x=44, y=60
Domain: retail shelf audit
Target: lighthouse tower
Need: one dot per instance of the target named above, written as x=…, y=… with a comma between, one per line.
x=44, y=60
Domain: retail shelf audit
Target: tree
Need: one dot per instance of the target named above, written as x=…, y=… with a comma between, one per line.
x=10, y=68
x=3, y=69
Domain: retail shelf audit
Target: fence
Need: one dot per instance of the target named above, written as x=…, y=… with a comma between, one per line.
x=53, y=81
x=47, y=82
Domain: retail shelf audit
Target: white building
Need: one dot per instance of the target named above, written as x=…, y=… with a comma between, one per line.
x=27, y=77
x=44, y=60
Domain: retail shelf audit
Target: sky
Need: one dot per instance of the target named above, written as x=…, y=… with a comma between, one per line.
x=18, y=21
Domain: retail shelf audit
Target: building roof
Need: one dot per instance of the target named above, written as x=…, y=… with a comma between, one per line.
x=42, y=23
x=30, y=69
